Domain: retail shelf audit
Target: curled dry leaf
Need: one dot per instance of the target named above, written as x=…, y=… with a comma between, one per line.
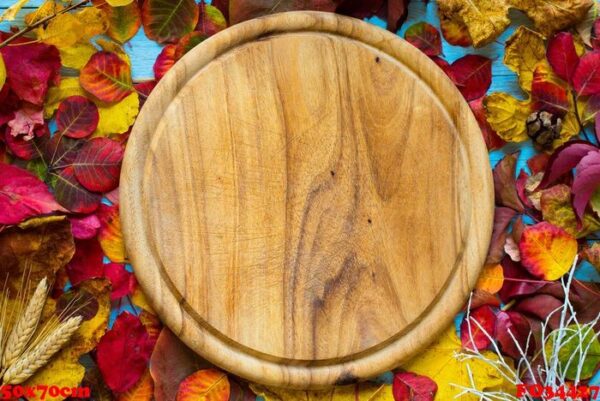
x=487, y=19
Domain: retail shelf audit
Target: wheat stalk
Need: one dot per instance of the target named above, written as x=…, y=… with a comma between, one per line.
x=38, y=356
x=25, y=326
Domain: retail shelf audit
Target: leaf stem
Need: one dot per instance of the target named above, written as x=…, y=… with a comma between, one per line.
x=31, y=27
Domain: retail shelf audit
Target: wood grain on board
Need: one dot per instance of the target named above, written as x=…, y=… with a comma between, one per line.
x=319, y=218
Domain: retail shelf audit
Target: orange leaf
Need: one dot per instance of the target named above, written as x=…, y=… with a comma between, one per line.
x=107, y=77
x=110, y=235
x=547, y=251
x=143, y=390
x=204, y=385
x=491, y=279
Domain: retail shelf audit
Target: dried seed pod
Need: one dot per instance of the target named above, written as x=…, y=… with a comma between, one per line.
x=543, y=128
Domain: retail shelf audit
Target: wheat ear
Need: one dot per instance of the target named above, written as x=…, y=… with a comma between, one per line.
x=25, y=326
x=37, y=357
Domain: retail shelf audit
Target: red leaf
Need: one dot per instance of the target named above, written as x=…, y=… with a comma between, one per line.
x=58, y=151
x=586, y=78
x=359, y=8
x=107, y=77
x=188, y=42
x=144, y=88
x=210, y=20
x=31, y=69
x=511, y=326
x=72, y=195
x=171, y=362
x=517, y=281
x=549, y=97
x=505, y=184
x=541, y=306
x=87, y=261
x=123, y=353
x=395, y=13
x=424, y=37
x=472, y=74
x=562, y=55
x=502, y=218
x=20, y=147
x=168, y=22
x=587, y=180
x=85, y=227
x=23, y=195
x=122, y=281
x=595, y=41
x=409, y=386
x=98, y=164
x=164, y=61
x=564, y=159
x=476, y=338
x=492, y=140
x=77, y=117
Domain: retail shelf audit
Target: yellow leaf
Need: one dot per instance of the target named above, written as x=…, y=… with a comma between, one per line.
x=119, y=3
x=67, y=29
x=524, y=51
x=139, y=299
x=91, y=331
x=63, y=370
x=76, y=56
x=113, y=47
x=143, y=390
x=69, y=86
x=439, y=362
x=552, y=16
x=118, y=117
x=11, y=12
x=487, y=19
x=94, y=20
x=491, y=279
x=357, y=392
x=506, y=115
x=2, y=72
x=484, y=19
x=48, y=8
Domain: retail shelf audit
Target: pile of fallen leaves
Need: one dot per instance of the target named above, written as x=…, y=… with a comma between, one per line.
x=68, y=101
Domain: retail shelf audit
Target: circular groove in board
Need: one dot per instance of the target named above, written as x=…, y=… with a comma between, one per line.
x=306, y=200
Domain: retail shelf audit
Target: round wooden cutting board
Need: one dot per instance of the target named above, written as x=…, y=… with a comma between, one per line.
x=306, y=200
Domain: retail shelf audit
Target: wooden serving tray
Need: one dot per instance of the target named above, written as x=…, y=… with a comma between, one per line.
x=306, y=200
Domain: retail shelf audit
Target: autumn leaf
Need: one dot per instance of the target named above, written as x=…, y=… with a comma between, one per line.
x=77, y=55
x=23, y=195
x=123, y=282
x=507, y=115
x=117, y=118
x=143, y=390
x=87, y=263
x=557, y=209
x=128, y=343
x=477, y=328
x=455, y=32
x=491, y=278
x=440, y=363
x=166, y=21
x=11, y=12
x=586, y=77
x=204, y=385
x=107, y=77
x=165, y=60
x=98, y=164
x=68, y=29
x=505, y=183
x=424, y=37
x=511, y=326
x=2, y=72
x=562, y=56
x=27, y=63
x=485, y=20
x=210, y=20
x=171, y=362
x=579, y=354
x=42, y=248
x=77, y=117
x=492, y=140
x=72, y=195
x=472, y=75
x=124, y=21
x=408, y=386
x=119, y=3
x=110, y=235
x=524, y=50
x=357, y=392
x=547, y=251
